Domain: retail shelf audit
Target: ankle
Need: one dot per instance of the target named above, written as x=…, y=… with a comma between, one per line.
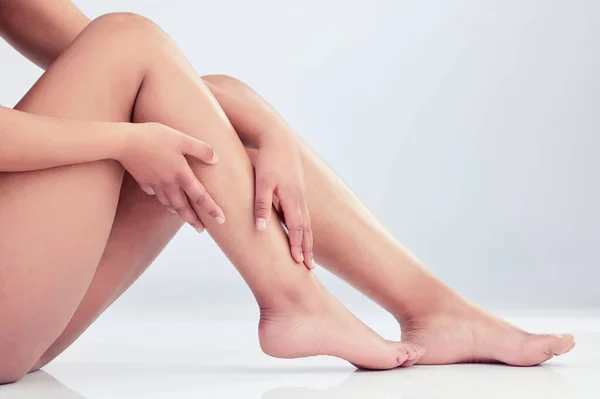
x=301, y=296
x=429, y=299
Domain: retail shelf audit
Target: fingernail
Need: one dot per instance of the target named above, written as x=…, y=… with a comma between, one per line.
x=200, y=230
x=558, y=335
x=149, y=191
x=172, y=210
x=261, y=223
x=301, y=257
x=220, y=220
x=215, y=158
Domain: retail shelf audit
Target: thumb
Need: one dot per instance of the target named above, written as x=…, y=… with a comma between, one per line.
x=263, y=202
x=201, y=150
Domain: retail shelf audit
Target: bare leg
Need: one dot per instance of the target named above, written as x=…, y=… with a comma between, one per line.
x=141, y=230
x=298, y=317
x=51, y=209
x=363, y=253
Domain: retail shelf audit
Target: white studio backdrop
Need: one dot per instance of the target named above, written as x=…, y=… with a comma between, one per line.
x=471, y=128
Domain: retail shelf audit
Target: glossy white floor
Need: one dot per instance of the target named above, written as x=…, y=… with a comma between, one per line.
x=140, y=358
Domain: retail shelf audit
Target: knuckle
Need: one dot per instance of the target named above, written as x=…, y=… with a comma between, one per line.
x=199, y=199
x=182, y=140
x=164, y=184
x=261, y=205
x=179, y=178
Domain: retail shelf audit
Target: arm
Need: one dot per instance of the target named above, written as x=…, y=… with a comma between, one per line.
x=152, y=153
x=40, y=29
x=30, y=142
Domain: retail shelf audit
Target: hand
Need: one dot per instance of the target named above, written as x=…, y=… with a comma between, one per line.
x=154, y=155
x=279, y=172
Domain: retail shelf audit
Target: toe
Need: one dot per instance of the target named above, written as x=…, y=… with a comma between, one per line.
x=562, y=343
x=414, y=354
x=403, y=355
x=545, y=347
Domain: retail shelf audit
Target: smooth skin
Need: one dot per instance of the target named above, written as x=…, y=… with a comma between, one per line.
x=53, y=209
x=47, y=305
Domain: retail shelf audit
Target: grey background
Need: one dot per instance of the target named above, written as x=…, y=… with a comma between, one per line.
x=470, y=128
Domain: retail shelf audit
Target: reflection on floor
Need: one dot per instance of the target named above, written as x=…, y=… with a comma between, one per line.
x=221, y=360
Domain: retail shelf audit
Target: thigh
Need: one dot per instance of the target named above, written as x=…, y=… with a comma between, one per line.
x=54, y=223
x=142, y=228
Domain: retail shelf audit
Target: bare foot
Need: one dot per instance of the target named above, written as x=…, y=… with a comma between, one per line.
x=325, y=327
x=467, y=334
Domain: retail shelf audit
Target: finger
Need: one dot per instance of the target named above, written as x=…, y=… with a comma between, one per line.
x=293, y=221
x=162, y=197
x=201, y=202
x=147, y=189
x=276, y=204
x=201, y=150
x=201, y=228
x=263, y=202
x=181, y=206
x=307, y=239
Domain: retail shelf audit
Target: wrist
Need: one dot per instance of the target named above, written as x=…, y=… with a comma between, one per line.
x=120, y=138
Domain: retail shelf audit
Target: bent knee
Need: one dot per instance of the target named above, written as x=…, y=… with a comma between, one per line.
x=127, y=20
x=130, y=32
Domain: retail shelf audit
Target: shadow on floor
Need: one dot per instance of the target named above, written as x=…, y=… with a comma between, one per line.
x=464, y=381
x=38, y=385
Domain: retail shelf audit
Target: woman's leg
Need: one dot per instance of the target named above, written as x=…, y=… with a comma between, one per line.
x=298, y=317
x=142, y=228
x=368, y=257
x=46, y=266
x=55, y=223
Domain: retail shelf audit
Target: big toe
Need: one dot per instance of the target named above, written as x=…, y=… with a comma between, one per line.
x=560, y=344
x=544, y=347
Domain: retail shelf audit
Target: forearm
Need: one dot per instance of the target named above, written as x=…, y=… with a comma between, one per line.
x=255, y=121
x=40, y=29
x=30, y=142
